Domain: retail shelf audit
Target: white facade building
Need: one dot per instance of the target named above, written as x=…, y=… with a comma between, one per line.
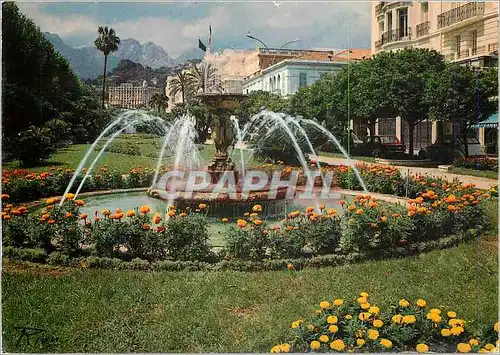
x=129, y=96
x=286, y=77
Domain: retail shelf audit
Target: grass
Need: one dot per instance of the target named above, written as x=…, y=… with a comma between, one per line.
x=341, y=156
x=127, y=311
x=471, y=172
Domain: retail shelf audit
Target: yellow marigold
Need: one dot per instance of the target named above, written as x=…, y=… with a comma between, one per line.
x=495, y=327
x=332, y=319
x=257, y=208
x=404, y=303
x=373, y=334
x=324, y=304
x=457, y=330
x=333, y=328
x=241, y=223
x=321, y=207
x=338, y=302
x=435, y=310
x=464, y=348
x=324, y=338
x=315, y=345
x=364, y=294
x=253, y=215
x=422, y=348
x=409, y=319
x=106, y=212
x=202, y=206
x=296, y=324
x=130, y=213
x=337, y=345
x=365, y=305
x=360, y=342
x=377, y=323
x=257, y=222
x=362, y=300
x=144, y=209
x=310, y=327
x=224, y=220
x=70, y=196
x=171, y=213
x=421, y=303
x=348, y=316
x=456, y=322
x=275, y=349
x=474, y=342
x=351, y=208
x=445, y=332
x=451, y=314
x=374, y=310
x=83, y=216
x=359, y=211
x=386, y=343
x=364, y=316
x=285, y=348
x=489, y=347
x=397, y=318
x=246, y=214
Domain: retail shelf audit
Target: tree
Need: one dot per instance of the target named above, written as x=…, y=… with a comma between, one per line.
x=183, y=83
x=465, y=96
x=160, y=101
x=205, y=76
x=411, y=73
x=257, y=100
x=107, y=42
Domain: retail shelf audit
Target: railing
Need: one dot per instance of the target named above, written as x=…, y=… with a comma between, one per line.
x=378, y=8
x=492, y=47
x=464, y=53
x=460, y=13
x=378, y=44
x=398, y=34
x=423, y=28
x=478, y=50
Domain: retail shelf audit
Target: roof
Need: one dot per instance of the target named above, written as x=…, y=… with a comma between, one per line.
x=492, y=121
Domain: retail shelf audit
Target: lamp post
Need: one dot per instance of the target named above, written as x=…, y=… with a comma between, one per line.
x=284, y=45
x=256, y=39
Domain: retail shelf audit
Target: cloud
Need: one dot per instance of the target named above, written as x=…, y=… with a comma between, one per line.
x=177, y=26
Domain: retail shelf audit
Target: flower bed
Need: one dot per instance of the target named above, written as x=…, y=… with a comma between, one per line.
x=477, y=163
x=361, y=326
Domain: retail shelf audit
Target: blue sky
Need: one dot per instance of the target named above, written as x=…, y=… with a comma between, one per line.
x=176, y=26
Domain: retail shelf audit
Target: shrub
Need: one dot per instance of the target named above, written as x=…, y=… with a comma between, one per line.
x=477, y=163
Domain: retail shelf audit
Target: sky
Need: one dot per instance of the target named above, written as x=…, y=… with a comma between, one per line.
x=176, y=26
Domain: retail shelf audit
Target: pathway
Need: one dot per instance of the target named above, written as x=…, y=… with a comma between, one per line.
x=480, y=182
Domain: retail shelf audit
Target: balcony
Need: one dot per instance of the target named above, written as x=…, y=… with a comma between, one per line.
x=378, y=8
x=460, y=14
x=492, y=47
x=479, y=50
x=398, y=34
x=423, y=28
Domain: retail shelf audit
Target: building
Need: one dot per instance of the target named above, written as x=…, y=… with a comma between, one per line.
x=129, y=96
x=286, y=77
x=465, y=32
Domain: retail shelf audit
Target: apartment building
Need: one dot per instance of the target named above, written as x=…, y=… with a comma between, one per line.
x=465, y=32
x=129, y=96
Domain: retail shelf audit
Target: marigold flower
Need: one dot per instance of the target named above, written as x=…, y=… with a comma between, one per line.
x=338, y=302
x=489, y=347
x=332, y=212
x=144, y=209
x=445, y=332
x=409, y=319
x=332, y=319
x=495, y=327
x=337, y=345
x=404, y=303
x=348, y=316
x=224, y=220
x=359, y=211
x=6, y=217
x=156, y=218
x=130, y=213
x=70, y=196
x=309, y=209
x=362, y=299
x=456, y=330
x=324, y=338
x=364, y=316
x=374, y=310
x=257, y=208
x=422, y=348
x=365, y=305
x=351, y=208
x=241, y=223
x=364, y=294
x=5, y=197
x=285, y=348
x=377, y=323
x=202, y=206
x=397, y=318
x=145, y=227
x=80, y=202
x=68, y=215
x=315, y=345
x=106, y=212
x=474, y=342
x=83, y=216
x=333, y=328
x=290, y=266
x=373, y=334
x=324, y=304
x=171, y=213
x=451, y=314
x=435, y=310
x=386, y=343
x=421, y=303
x=394, y=215
x=183, y=214
x=257, y=222
x=51, y=221
x=360, y=342
x=464, y=348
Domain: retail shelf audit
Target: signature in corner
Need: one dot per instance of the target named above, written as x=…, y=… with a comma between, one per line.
x=28, y=332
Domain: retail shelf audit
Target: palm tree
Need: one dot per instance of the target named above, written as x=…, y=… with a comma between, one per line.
x=183, y=83
x=159, y=101
x=107, y=43
x=205, y=74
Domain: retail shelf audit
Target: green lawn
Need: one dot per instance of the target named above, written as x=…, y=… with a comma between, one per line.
x=485, y=173
x=340, y=155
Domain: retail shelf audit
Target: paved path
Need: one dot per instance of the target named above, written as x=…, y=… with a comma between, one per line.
x=480, y=182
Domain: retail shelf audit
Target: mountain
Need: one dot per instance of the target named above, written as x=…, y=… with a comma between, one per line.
x=193, y=53
x=87, y=62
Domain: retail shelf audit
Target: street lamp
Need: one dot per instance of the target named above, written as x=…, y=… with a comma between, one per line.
x=284, y=45
x=256, y=39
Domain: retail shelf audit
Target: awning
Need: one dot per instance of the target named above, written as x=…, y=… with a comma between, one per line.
x=491, y=122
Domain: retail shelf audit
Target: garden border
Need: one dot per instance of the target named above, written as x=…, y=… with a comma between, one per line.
x=39, y=256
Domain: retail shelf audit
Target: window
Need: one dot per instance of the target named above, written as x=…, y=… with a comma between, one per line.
x=403, y=22
x=474, y=42
x=458, y=45
x=323, y=74
x=302, y=79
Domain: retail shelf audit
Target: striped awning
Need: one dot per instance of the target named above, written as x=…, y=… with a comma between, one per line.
x=491, y=122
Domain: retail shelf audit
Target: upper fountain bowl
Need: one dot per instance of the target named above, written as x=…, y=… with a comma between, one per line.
x=216, y=100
